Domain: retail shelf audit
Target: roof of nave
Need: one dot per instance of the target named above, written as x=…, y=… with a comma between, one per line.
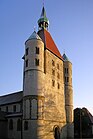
x=11, y=98
x=49, y=42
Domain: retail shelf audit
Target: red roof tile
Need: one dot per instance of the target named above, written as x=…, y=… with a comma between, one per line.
x=49, y=43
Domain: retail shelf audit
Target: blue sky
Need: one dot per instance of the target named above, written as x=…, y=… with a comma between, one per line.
x=71, y=26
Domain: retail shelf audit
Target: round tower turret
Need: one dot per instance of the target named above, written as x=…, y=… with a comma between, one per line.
x=33, y=64
x=68, y=95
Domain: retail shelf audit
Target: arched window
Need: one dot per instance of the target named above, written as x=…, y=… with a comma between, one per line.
x=11, y=124
x=56, y=132
x=40, y=109
x=18, y=125
x=26, y=125
x=34, y=109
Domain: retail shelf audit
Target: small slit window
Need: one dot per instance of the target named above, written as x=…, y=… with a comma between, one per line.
x=53, y=63
x=57, y=66
x=37, y=50
x=58, y=85
x=67, y=79
x=6, y=108
x=18, y=125
x=58, y=76
x=65, y=70
x=27, y=51
x=26, y=125
x=37, y=62
x=27, y=63
x=53, y=83
x=53, y=72
x=11, y=124
x=14, y=108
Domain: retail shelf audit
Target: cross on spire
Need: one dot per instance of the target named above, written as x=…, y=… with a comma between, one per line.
x=43, y=3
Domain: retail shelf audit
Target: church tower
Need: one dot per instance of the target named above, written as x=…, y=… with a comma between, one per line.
x=46, y=112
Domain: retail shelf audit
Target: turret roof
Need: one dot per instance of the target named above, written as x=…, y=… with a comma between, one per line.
x=34, y=35
x=65, y=57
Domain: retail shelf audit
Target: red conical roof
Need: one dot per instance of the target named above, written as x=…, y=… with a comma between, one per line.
x=49, y=43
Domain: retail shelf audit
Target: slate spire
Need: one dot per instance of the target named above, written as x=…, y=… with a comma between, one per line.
x=43, y=21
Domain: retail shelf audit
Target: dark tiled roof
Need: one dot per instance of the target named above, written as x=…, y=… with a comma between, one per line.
x=89, y=115
x=11, y=98
x=49, y=43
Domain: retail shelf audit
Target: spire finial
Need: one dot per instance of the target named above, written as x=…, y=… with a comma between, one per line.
x=43, y=21
x=43, y=3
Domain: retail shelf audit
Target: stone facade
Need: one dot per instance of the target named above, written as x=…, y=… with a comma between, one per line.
x=44, y=110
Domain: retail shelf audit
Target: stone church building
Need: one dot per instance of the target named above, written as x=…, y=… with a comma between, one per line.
x=44, y=109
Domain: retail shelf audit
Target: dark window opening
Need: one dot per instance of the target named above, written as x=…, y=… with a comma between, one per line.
x=53, y=72
x=11, y=124
x=37, y=62
x=58, y=76
x=37, y=50
x=6, y=108
x=65, y=70
x=26, y=125
x=14, y=108
x=58, y=85
x=53, y=83
x=57, y=66
x=18, y=125
x=53, y=63
x=27, y=63
x=57, y=133
x=26, y=51
x=67, y=79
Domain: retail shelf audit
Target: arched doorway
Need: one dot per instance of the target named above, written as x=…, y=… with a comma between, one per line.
x=56, y=132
